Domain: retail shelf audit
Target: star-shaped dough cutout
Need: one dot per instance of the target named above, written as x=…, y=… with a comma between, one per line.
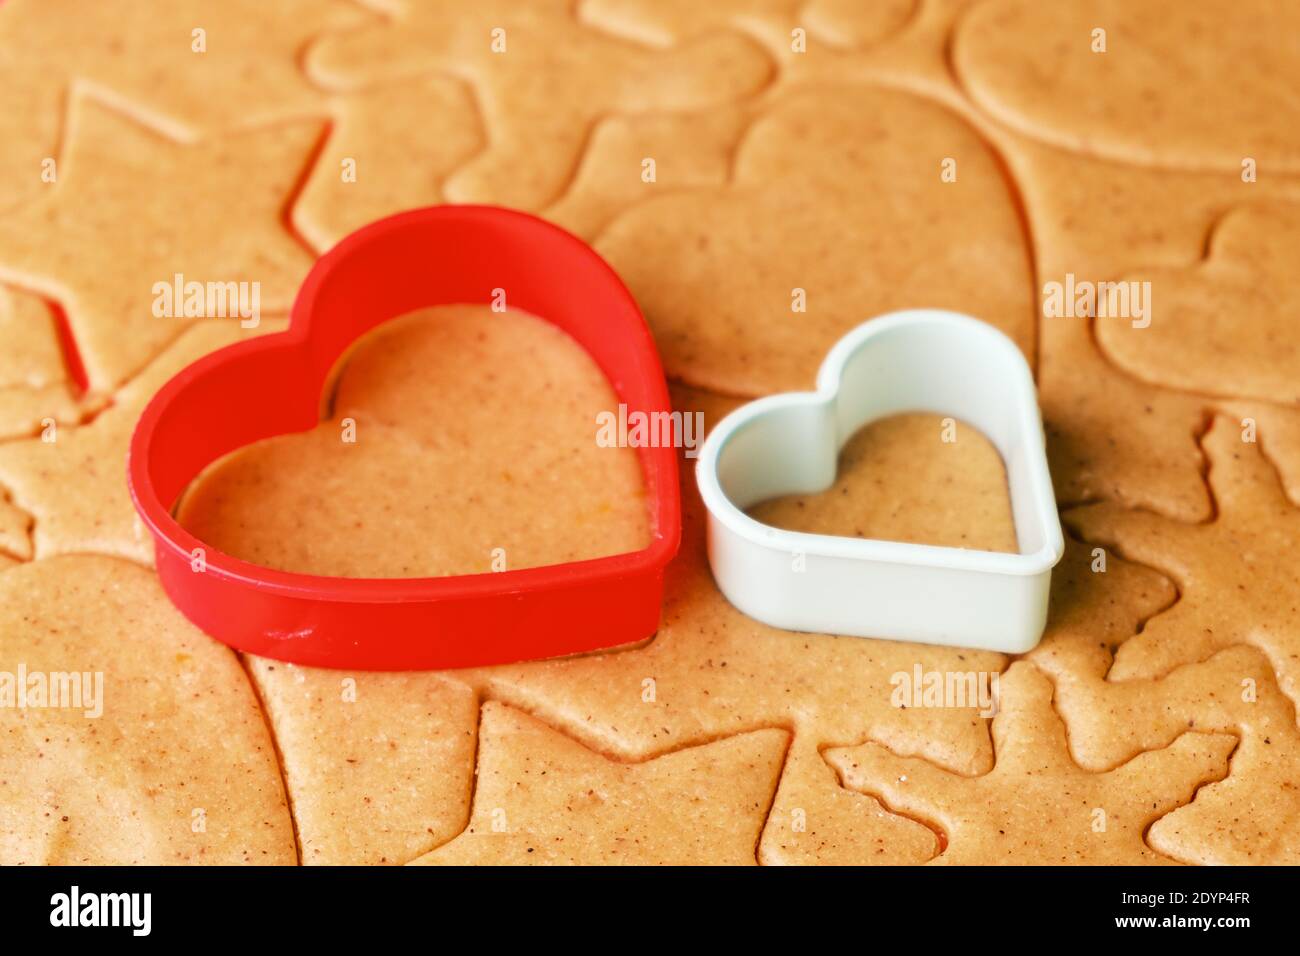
x=1037, y=806
x=132, y=209
x=542, y=79
x=543, y=798
x=1237, y=575
x=140, y=56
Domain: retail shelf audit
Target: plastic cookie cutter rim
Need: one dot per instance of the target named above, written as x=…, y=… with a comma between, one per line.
x=922, y=360
x=273, y=385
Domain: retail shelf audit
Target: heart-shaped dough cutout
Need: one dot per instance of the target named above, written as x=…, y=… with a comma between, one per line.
x=462, y=441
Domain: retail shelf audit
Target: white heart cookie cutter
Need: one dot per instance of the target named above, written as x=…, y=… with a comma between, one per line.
x=922, y=360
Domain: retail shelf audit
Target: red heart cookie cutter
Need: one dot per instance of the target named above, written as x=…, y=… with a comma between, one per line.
x=272, y=385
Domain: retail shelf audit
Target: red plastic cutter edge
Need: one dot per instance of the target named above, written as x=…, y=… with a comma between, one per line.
x=273, y=384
